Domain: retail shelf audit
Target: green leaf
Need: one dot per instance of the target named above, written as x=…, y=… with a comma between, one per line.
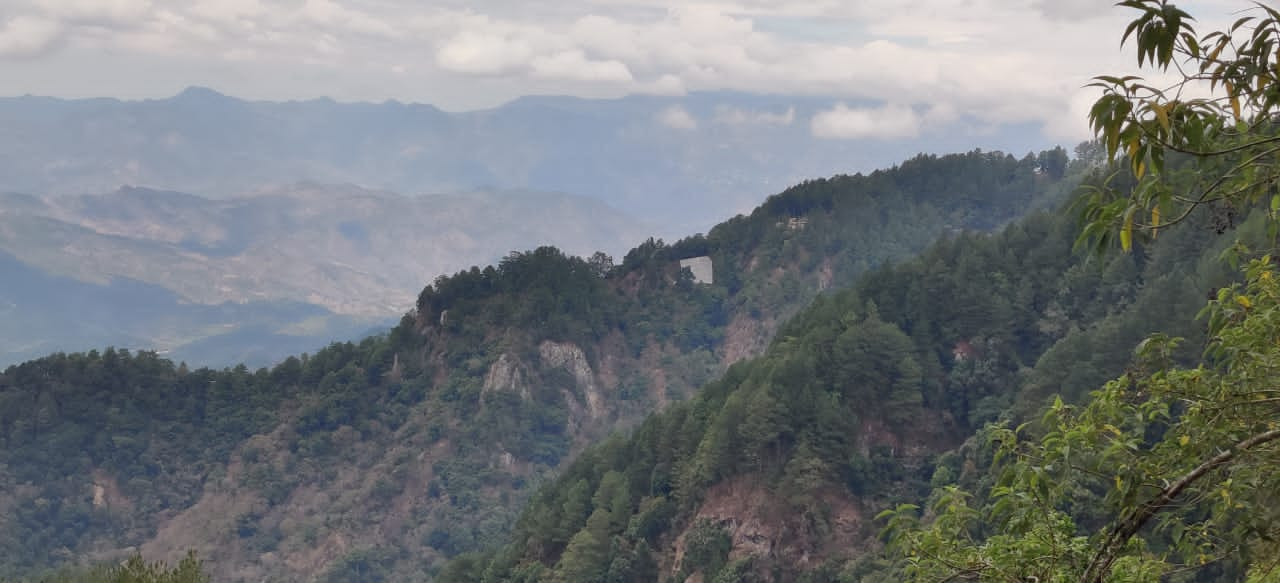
x=1126, y=232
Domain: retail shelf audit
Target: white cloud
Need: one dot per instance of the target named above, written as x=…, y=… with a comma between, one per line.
x=575, y=66
x=1071, y=125
x=729, y=115
x=26, y=37
x=483, y=54
x=678, y=118
x=1074, y=9
x=665, y=85
x=336, y=16
x=230, y=12
x=608, y=37
x=845, y=123
x=124, y=13
x=941, y=113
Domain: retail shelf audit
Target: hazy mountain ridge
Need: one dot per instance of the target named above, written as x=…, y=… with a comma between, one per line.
x=42, y=313
x=740, y=148
x=357, y=256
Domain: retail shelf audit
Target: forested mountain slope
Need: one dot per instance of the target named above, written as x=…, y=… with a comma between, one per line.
x=775, y=471
x=377, y=460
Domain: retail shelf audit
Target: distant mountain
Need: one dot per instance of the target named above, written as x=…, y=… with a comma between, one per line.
x=681, y=162
x=255, y=278
x=42, y=313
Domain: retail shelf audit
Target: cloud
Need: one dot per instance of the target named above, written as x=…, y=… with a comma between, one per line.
x=28, y=37
x=886, y=122
x=121, y=13
x=575, y=66
x=995, y=61
x=729, y=115
x=483, y=54
x=665, y=85
x=608, y=37
x=1074, y=9
x=677, y=118
x=1072, y=125
x=334, y=15
x=240, y=13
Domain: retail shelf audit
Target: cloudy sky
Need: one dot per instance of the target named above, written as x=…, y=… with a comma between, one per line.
x=1000, y=61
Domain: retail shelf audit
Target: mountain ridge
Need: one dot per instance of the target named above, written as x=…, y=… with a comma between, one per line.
x=382, y=458
x=609, y=149
x=867, y=399
x=358, y=255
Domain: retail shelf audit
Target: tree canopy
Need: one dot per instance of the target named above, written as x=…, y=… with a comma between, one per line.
x=1168, y=470
x=1216, y=116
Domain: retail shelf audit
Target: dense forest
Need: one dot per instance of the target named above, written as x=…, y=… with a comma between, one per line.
x=775, y=470
x=134, y=569
x=968, y=367
x=379, y=459
x=1084, y=396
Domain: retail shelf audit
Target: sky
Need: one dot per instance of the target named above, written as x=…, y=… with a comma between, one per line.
x=914, y=61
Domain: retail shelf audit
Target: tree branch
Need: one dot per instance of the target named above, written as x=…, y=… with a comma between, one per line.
x=1127, y=527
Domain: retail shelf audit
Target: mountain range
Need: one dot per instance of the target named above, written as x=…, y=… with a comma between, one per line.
x=253, y=230
x=681, y=163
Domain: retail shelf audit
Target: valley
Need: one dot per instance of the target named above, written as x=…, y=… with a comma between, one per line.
x=254, y=279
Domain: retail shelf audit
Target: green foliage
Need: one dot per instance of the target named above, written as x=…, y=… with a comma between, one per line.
x=1185, y=458
x=1170, y=469
x=158, y=435
x=360, y=565
x=136, y=570
x=839, y=370
x=1224, y=143
x=707, y=549
x=977, y=328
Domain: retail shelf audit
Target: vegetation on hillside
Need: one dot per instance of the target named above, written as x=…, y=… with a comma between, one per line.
x=380, y=458
x=1170, y=470
x=853, y=410
x=134, y=570
x=966, y=379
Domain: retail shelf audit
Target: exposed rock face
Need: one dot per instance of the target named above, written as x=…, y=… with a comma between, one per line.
x=106, y=491
x=826, y=275
x=396, y=374
x=506, y=374
x=762, y=526
x=745, y=337
x=702, y=268
x=568, y=356
x=929, y=434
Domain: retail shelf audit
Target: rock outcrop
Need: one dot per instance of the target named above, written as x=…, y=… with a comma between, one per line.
x=570, y=357
x=506, y=374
